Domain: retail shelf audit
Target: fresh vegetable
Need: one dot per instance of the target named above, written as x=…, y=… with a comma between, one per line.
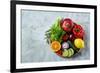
x=65, y=37
x=59, y=52
x=72, y=51
x=55, y=45
x=78, y=31
x=71, y=37
x=55, y=33
x=68, y=53
x=72, y=46
x=65, y=53
x=79, y=43
x=67, y=24
x=65, y=45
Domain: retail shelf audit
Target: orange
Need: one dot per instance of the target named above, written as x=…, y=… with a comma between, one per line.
x=55, y=45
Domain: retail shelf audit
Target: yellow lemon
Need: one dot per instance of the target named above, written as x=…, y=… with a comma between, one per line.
x=55, y=45
x=79, y=43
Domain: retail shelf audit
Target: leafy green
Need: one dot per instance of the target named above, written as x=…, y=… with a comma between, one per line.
x=55, y=32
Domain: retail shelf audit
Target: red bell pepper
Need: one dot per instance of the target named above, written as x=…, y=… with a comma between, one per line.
x=78, y=31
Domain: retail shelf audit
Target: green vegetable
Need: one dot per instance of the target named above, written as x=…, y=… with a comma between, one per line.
x=71, y=52
x=55, y=33
x=72, y=46
x=65, y=53
x=68, y=53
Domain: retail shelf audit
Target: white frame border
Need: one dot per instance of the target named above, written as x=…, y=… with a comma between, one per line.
x=52, y=64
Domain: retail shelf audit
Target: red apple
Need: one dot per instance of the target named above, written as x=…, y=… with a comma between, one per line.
x=66, y=24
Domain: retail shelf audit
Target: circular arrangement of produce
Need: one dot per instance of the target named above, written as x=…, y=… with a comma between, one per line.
x=65, y=37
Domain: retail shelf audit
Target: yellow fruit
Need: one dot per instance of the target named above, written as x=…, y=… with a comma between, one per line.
x=79, y=43
x=55, y=45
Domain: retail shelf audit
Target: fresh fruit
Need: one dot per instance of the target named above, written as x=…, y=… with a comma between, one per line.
x=68, y=53
x=67, y=24
x=59, y=52
x=65, y=45
x=78, y=31
x=79, y=43
x=72, y=46
x=55, y=45
x=65, y=37
x=71, y=37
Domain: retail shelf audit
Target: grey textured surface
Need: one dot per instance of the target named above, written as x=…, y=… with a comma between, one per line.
x=34, y=24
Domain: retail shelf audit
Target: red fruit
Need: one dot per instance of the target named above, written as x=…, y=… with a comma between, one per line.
x=78, y=31
x=72, y=37
x=65, y=37
x=59, y=52
x=67, y=24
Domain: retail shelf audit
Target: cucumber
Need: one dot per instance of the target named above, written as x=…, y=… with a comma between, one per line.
x=69, y=53
x=72, y=51
x=65, y=53
x=72, y=46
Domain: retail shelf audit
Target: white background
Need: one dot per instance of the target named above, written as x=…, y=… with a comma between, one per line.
x=5, y=37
